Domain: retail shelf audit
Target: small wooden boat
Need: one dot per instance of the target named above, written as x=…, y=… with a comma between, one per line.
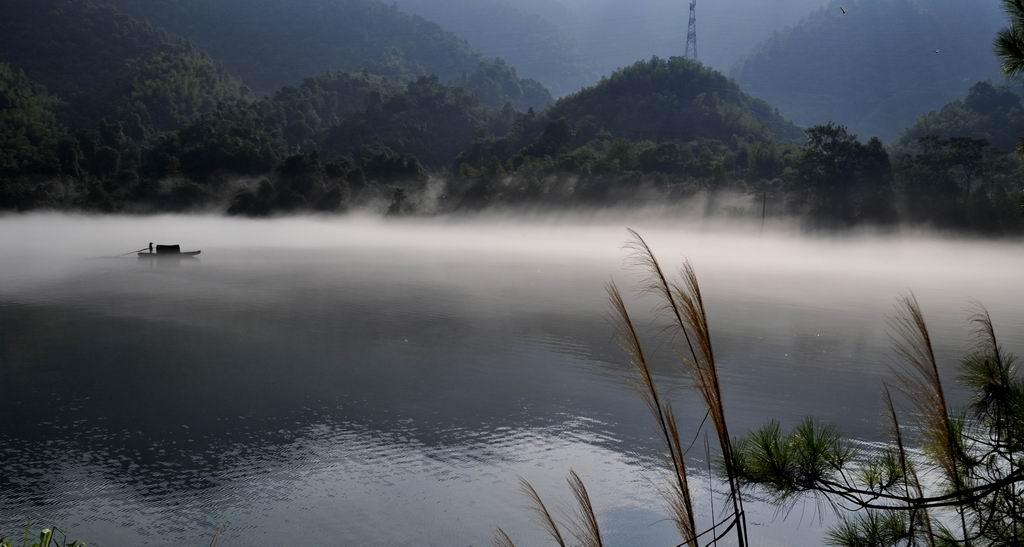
x=169, y=251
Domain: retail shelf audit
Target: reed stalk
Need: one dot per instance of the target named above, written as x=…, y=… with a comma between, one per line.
x=587, y=530
x=684, y=303
x=679, y=497
x=542, y=512
x=923, y=384
x=502, y=539
x=910, y=479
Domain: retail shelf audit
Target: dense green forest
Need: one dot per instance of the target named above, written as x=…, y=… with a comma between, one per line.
x=29, y=133
x=273, y=43
x=119, y=115
x=990, y=112
x=879, y=65
x=82, y=51
x=674, y=120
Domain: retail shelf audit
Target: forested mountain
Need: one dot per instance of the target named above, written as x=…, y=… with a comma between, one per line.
x=673, y=99
x=132, y=118
x=877, y=67
x=675, y=120
x=80, y=50
x=29, y=130
x=536, y=46
x=274, y=43
x=658, y=100
x=993, y=113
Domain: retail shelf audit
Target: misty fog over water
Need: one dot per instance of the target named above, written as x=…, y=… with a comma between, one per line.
x=386, y=382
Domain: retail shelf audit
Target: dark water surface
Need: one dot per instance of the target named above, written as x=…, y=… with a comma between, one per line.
x=356, y=382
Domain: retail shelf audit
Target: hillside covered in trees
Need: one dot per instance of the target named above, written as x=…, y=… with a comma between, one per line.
x=994, y=113
x=128, y=117
x=273, y=43
x=675, y=103
x=93, y=56
x=879, y=65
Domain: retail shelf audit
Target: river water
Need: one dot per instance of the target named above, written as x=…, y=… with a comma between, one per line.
x=357, y=381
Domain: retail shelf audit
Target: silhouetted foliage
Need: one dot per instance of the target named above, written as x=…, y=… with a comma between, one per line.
x=840, y=181
x=960, y=182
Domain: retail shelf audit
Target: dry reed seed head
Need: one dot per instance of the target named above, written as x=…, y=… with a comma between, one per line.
x=629, y=339
x=502, y=539
x=922, y=383
x=703, y=367
x=542, y=512
x=680, y=501
x=587, y=530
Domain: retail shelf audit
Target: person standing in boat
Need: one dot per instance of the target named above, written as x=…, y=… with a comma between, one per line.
x=150, y=246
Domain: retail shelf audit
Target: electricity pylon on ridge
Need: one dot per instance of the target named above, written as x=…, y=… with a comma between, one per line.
x=691, y=33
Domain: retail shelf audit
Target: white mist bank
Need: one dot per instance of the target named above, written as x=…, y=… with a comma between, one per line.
x=579, y=234
x=743, y=255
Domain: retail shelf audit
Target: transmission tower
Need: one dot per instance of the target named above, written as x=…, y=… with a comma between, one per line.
x=691, y=34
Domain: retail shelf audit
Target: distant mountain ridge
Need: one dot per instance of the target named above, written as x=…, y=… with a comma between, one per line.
x=536, y=46
x=877, y=67
x=274, y=43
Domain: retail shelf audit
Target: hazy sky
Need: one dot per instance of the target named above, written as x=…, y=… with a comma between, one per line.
x=614, y=31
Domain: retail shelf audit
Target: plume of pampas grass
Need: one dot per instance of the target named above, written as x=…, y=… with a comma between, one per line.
x=656, y=282
x=679, y=497
x=543, y=514
x=502, y=539
x=704, y=370
x=587, y=530
x=921, y=382
x=684, y=303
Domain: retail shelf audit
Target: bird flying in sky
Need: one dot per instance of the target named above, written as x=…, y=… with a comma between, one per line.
x=842, y=9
